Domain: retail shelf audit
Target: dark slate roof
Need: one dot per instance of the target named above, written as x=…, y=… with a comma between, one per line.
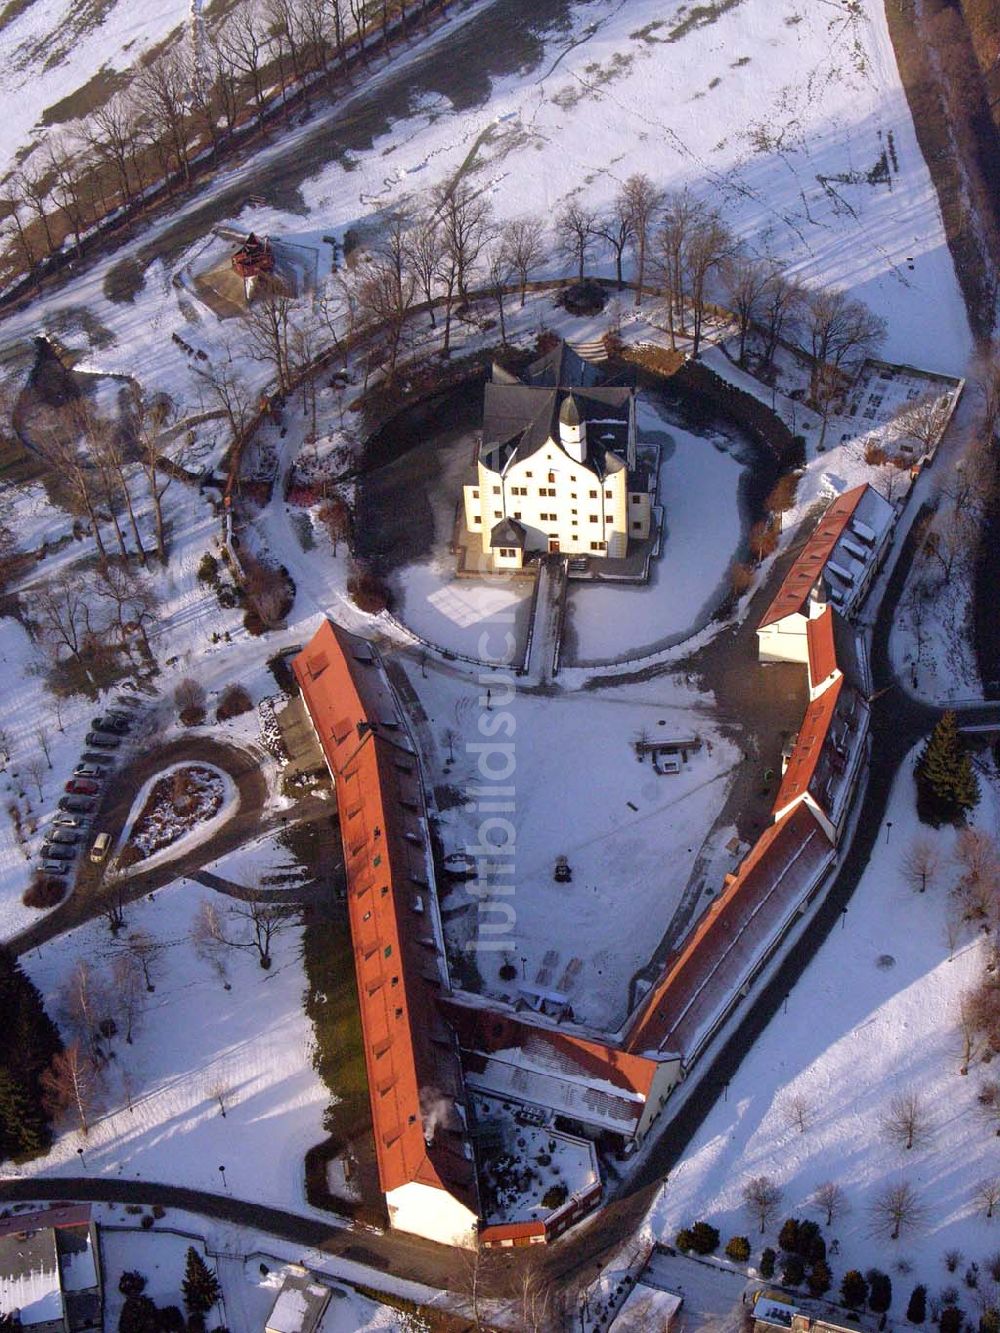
x=508, y=532
x=519, y=418
x=562, y=368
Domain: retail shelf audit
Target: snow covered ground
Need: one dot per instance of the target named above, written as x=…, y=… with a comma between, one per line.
x=631, y=836
x=874, y=1015
x=699, y=490
x=159, y=1115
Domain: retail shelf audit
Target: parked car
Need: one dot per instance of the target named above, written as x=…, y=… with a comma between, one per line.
x=53, y=851
x=68, y=836
x=109, y=724
x=55, y=867
x=122, y=715
x=102, y=843
x=89, y=771
x=77, y=805
x=103, y=740
x=97, y=757
x=64, y=820
x=129, y=700
x=82, y=787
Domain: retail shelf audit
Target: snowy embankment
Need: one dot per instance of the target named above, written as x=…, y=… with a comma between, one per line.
x=874, y=1016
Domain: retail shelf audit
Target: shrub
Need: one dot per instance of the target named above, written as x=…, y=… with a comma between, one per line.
x=507, y=972
x=738, y=1249
x=147, y=1222
x=189, y=696
x=782, y=497
x=952, y=1258
x=555, y=1196
x=367, y=591
x=131, y=1283
x=767, y=1263
x=43, y=892
x=704, y=1238
x=811, y=1244
x=684, y=1241
x=875, y=455
x=208, y=570
x=853, y=1288
x=235, y=701
x=253, y=624
x=989, y=1320
x=879, y=1291
x=583, y=298
x=916, y=1310
x=740, y=577
x=951, y=1320
x=793, y=1270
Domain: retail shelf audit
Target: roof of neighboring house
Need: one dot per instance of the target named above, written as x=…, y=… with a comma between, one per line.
x=29, y=1275
x=299, y=1306
x=714, y=960
x=508, y=532
x=646, y=1308
x=414, y=1073
x=800, y=580
x=805, y=756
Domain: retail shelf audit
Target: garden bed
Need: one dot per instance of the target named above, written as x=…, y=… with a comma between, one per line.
x=178, y=802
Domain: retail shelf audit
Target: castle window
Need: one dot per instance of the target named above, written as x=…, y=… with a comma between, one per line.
x=609, y=519
x=598, y=546
x=635, y=499
x=609, y=495
x=475, y=492
x=594, y=518
x=637, y=526
x=552, y=477
x=517, y=513
x=496, y=490
x=593, y=495
x=498, y=513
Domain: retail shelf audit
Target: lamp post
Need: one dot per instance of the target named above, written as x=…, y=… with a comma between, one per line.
x=222, y=1173
x=80, y=1153
x=888, y=830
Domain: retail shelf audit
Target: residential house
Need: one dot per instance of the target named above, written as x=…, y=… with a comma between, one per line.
x=50, y=1276
x=299, y=1305
x=557, y=467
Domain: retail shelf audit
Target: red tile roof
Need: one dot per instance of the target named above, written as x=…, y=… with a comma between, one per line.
x=794, y=592
x=820, y=647
x=410, y=1052
x=808, y=748
x=715, y=959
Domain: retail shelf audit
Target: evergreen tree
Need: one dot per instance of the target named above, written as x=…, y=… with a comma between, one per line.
x=200, y=1287
x=951, y=1320
x=916, y=1310
x=139, y=1315
x=820, y=1279
x=811, y=1244
x=879, y=1291
x=793, y=1270
x=788, y=1236
x=853, y=1288
x=28, y=1041
x=989, y=1321
x=171, y=1320
x=767, y=1259
x=738, y=1249
x=947, y=787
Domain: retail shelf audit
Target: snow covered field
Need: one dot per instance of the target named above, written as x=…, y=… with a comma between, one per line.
x=631, y=836
x=251, y=1045
x=873, y=1016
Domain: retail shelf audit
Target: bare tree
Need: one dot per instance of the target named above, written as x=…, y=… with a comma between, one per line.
x=148, y=952
x=897, y=1209
x=987, y=1194
x=112, y=131
x=762, y=1199
x=781, y=305
x=109, y=452
x=127, y=980
x=523, y=240
x=797, y=1109
x=132, y=599
x=71, y=1083
x=164, y=88
x=263, y=922
x=921, y=864
x=831, y=1200
x=746, y=283
x=465, y=218
x=113, y=902
x=643, y=201
x=210, y=940
x=219, y=1091
x=838, y=330
x=682, y=215
x=84, y=1001
x=268, y=325
x=708, y=245
x=42, y=737
x=988, y=1104
x=971, y=1028
x=388, y=290
x=423, y=258
x=244, y=40
x=907, y=1122
x=64, y=614
x=227, y=390
x=617, y=228
x=35, y=769
x=575, y=234
x=189, y=695
x=499, y=272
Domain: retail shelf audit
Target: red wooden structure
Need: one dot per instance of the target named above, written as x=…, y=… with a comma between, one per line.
x=254, y=257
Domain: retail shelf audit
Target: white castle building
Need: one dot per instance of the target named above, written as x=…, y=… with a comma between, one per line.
x=556, y=468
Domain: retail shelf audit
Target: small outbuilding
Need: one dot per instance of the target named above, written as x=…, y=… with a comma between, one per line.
x=301, y=1303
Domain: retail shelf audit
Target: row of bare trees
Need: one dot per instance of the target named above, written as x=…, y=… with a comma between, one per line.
x=187, y=100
